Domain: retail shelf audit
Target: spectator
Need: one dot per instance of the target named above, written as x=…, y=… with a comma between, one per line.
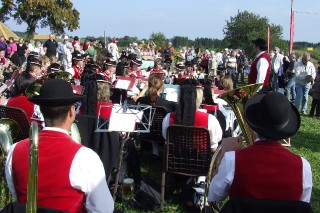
x=289, y=78
x=276, y=64
x=51, y=46
x=22, y=50
x=39, y=49
x=12, y=48
x=31, y=46
x=305, y=73
x=315, y=93
x=3, y=44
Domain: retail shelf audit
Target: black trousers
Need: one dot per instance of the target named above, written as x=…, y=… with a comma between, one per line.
x=315, y=107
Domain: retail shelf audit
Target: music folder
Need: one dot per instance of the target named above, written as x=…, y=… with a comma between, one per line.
x=125, y=83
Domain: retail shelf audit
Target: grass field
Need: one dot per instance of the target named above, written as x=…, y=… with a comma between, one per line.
x=305, y=143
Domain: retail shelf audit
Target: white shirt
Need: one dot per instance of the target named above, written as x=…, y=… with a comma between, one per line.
x=301, y=71
x=262, y=68
x=86, y=174
x=276, y=62
x=222, y=181
x=213, y=127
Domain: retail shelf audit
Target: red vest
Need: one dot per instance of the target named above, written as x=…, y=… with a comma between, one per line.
x=266, y=170
x=77, y=74
x=23, y=103
x=105, y=112
x=138, y=73
x=201, y=119
x=56, y=152
x=252, y=79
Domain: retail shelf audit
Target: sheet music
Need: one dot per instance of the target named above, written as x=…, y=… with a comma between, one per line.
x=172, y=94
x=123, y=84
x=122, y=122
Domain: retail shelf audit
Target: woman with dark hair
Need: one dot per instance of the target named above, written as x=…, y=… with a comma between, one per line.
x=189, y=114
x=19, y=99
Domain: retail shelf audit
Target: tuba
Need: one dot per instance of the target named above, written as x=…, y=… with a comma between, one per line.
x=9, y=130
x=31, y=205
x=237, y=100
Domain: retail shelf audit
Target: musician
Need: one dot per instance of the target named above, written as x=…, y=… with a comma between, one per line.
x=154, y=87
x=69, y=174
x=3, y=60
x=189, y=114
x=55, y=67
x=122, y=66
x=109, y=68
x=19, y=99
x=260, y=68
x=265, y=170
x=104, y=104
x=181, y=72
x=157, y=69
x=78, y=67
x=135, y=70
x=34, y=67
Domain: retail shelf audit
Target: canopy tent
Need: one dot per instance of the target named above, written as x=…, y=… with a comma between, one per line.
x=6, y=32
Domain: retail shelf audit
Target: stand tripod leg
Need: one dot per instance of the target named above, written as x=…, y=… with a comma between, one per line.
x=116, y=183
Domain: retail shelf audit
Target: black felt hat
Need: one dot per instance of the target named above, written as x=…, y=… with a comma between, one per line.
x=78, y=57
x=137, y=61
x=56, y=92
x=271, y=115
x=109, y=62
x=35, y=61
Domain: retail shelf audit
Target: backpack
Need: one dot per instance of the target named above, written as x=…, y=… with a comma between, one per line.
x=167, y=53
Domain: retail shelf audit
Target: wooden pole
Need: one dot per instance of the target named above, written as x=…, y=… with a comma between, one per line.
x=105, y=37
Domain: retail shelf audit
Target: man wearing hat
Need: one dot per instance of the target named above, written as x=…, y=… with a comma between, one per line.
x=265, y=170
x=260, y=68
x=109, y=68
x=71, y=177
x=135, y=70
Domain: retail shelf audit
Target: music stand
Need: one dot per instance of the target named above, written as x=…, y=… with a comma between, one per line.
x=140, y=116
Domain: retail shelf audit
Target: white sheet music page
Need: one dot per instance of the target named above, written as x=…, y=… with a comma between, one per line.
x=171, y=94
x=123, y=84
x=122, y=122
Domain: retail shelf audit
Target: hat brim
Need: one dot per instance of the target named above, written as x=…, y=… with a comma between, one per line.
x=252, y=111
x=52, y=102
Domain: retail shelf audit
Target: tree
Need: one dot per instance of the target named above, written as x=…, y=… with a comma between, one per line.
x=159, y=39
x=245, y=27
x=55, y=14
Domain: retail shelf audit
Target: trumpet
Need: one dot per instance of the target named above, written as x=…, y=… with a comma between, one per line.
x=237, y=100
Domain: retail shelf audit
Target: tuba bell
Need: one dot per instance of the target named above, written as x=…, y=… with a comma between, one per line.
x=9, y=130
x=237, y=100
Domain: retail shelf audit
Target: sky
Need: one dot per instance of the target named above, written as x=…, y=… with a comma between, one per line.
x=192, y=18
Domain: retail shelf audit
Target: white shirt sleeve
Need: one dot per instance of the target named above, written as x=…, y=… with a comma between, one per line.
x=87, y=174
x=262, y=68
x=306, y=181
x=8, y=171
x=221, y=182
x=215, y=131
x=165, y=125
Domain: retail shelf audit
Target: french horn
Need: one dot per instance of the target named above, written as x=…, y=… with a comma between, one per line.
x=237, y=100
x=9, y=130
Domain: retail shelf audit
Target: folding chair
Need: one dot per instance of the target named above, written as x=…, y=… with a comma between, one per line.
x=187, y=152
x=20, y=117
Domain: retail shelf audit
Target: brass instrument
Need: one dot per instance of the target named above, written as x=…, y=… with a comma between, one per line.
x=31, y=205
x=9, y=130
x=237, y=100
x=34, y=88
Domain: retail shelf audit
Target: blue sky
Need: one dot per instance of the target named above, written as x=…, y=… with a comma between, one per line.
x=192, y=18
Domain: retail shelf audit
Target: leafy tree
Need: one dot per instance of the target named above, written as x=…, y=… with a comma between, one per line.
x=241, y=29
x=55, y=14
x=159, y=39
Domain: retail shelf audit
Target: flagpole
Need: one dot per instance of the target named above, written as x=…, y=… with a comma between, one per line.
x=268, y=39
x=291, y=28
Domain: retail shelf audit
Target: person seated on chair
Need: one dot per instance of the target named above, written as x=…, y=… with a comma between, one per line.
x=154, y=87
x=19, y=99
x=189, y=114
x=104, y=104
x=71, y=177
x=265, y=170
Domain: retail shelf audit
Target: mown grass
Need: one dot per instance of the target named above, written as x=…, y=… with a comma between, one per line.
x=305, y=143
